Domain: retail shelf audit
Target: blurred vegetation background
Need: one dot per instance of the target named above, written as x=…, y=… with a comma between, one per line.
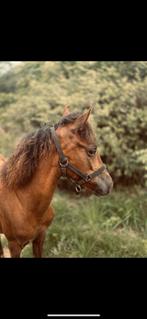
x=32, y=93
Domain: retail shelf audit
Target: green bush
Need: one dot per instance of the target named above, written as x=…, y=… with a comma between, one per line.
x=35, y=92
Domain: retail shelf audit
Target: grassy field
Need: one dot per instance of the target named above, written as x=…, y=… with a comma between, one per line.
x=111, y=226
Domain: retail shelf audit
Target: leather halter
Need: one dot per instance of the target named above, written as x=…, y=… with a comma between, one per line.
x=64, y=165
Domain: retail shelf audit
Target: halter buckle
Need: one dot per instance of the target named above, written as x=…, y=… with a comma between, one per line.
x=88, y=178
x=64, y=163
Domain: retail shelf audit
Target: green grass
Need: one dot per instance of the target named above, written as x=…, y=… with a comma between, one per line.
x=111, y=226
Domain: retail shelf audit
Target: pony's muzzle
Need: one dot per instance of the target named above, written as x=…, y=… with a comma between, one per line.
x=104, y=184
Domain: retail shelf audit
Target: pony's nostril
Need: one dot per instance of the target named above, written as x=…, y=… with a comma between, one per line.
x=109, y=187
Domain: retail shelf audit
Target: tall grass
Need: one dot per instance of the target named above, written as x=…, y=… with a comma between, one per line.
x=111, y=226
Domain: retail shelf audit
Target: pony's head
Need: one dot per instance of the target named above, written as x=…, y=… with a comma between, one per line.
x=78, y=144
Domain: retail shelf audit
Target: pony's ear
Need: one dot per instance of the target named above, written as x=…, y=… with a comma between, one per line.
x=82, y=119
x=66, y=110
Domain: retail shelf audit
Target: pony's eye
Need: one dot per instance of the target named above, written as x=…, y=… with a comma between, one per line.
x=92, y=152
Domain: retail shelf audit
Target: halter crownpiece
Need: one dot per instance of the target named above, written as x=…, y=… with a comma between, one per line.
x=64, y=165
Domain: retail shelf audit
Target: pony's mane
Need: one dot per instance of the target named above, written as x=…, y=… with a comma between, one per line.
x=19, y=169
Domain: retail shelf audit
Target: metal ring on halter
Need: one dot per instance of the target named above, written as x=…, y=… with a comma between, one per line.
x=78, y=188
x=64, y=163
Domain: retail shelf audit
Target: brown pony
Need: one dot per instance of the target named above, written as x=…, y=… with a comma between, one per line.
x=29, y=177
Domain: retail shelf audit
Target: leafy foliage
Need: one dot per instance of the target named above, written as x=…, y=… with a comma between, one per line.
x=35, y=92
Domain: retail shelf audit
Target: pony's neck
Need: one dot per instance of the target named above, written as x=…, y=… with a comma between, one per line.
x=38, y=194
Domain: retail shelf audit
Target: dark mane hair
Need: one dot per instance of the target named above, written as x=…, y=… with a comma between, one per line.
x=19, y=169
x=84, y=132
x=21, y=166
x=65, y=120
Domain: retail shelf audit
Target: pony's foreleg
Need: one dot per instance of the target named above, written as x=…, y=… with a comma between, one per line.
x=1, y=249
x=15, y=249
x=38, y=244
x=39, y=240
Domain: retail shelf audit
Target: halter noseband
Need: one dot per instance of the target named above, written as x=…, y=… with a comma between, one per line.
x=64, y=164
